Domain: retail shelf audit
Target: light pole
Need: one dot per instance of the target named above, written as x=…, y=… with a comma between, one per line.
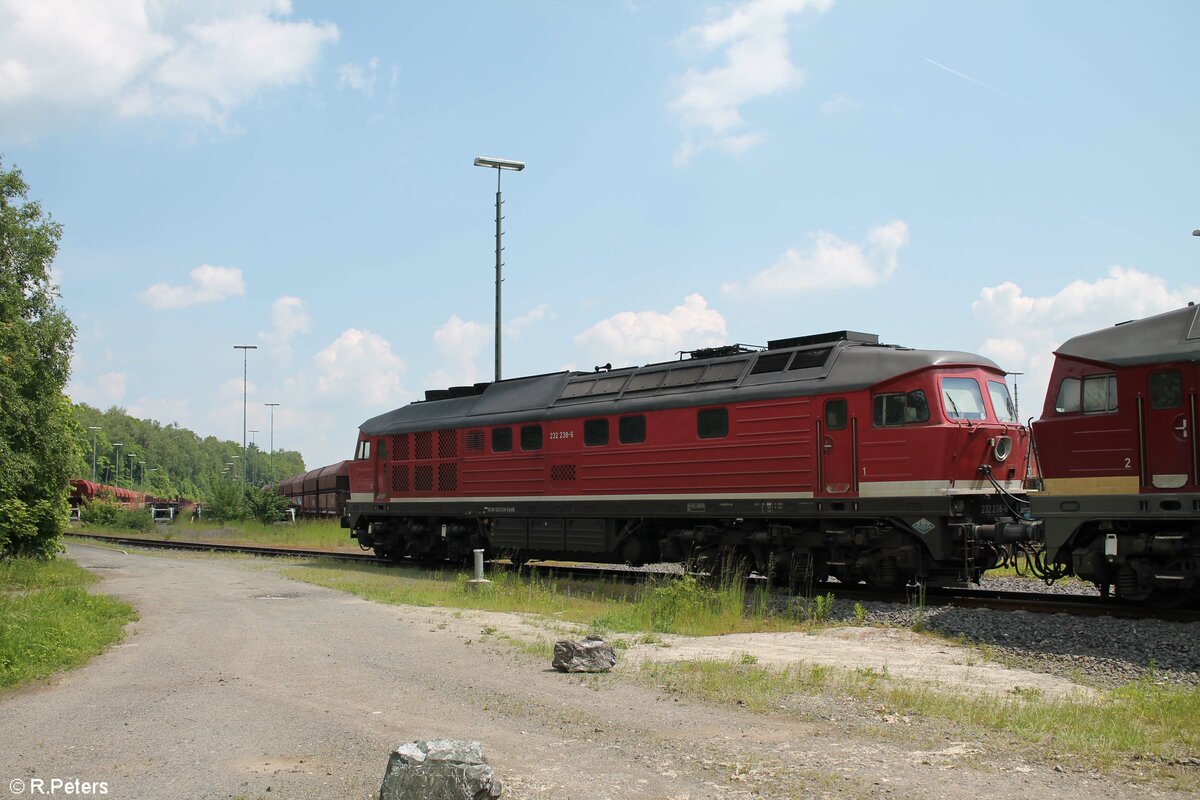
x=132, y=458
x=498, y=164
x=142, y=464
x=117, y=449
x=245, y=348
x=93, y=429
x=271, y=457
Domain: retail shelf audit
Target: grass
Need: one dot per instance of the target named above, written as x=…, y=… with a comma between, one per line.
x=676, y=605
x=1140, y=721
x=48, y=620
x=320, y=534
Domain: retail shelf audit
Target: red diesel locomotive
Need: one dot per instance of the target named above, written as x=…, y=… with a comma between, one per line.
x=829, y=455
x=1118, y=454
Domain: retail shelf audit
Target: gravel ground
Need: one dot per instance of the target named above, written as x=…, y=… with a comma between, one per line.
x=1097, y=651
x=236, y=683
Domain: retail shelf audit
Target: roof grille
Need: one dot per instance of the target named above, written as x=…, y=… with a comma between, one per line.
x=824, y=338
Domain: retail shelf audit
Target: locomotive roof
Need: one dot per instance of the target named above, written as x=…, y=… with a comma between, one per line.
x=1173, y=336
x=840, y=366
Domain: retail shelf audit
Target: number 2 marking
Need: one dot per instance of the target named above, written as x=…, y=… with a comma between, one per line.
x=1128, y=463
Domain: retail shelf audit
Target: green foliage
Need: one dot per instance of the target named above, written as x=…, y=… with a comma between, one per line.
x=265, y=505
x=49, y=621
x=105, y=513
x=178, y=462
x=38, y=433
x=226, y=502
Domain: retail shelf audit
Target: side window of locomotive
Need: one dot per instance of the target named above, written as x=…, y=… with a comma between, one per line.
x=1002, y=403
x=835, y=415
x=531, y=437
x=381, y=450
x=631, y=430
x=962, y=400
x=595, y=432
x=900, y=409
x=1099, y=393
x=1068, y=397
x=501, y=440
x=1166, y=390
x=712, y=423
x=364, y=449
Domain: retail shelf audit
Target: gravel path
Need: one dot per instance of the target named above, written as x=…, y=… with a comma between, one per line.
x=236, y=683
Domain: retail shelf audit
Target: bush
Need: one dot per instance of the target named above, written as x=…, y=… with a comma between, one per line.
x=105, y=513
x=265, y=505
x=30, y=531
x=225, y=502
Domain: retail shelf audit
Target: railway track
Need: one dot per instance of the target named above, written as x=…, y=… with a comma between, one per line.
x=1033, y=602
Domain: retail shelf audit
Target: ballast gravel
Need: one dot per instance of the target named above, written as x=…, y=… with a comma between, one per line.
x=1104, y=652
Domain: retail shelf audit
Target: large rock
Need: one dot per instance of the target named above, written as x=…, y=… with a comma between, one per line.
x=593, y=654
x=440, y=769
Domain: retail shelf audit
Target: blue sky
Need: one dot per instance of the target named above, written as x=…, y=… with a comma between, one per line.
x=978, y=176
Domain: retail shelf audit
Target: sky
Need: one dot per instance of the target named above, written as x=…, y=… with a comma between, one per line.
x=989, y=177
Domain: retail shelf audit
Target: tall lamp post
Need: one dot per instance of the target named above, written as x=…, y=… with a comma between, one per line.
x=271, y=457
x=245, y=348
x=117, y=449
x=93, y=429
x=132, y=458
x=498, y=164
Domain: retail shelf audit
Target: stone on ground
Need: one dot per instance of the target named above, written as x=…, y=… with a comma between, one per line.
x=593, y=654
x=439, y=769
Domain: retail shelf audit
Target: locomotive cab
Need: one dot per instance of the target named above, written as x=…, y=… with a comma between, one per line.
x=1118, y=452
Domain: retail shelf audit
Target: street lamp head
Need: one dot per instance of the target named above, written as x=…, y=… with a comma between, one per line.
x=1196, y=232
x=95, y=428
x=499, y=163
x=245, y=347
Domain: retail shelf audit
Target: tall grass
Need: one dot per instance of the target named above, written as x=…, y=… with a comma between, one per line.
x=318, y=534
x=680, y=605
x=49, y=621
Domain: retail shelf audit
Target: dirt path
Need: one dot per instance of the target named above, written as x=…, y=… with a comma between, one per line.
x=237, y=683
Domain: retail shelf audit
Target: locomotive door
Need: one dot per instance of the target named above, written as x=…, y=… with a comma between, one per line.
x=837, y=449
x=1170, y=445
x=382, y=479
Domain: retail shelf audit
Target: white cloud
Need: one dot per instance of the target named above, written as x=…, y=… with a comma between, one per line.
x=838, y=104
x=637, y=336
x=289, y=318
x=831, y=263
x=459, y=344
x=753, y=39
x=514, y=328
x=360, y=365
x=62, y=58
x=361, y=79
x=1022, y=331
x=209, y=284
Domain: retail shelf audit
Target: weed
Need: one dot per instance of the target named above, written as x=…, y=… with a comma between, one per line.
x=860, y=614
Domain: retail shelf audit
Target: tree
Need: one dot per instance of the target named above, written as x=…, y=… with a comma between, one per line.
x=38, y=432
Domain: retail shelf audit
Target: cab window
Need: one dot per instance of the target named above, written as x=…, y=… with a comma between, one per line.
x=901, y=408
x=364, y=450
x=1166, y=390
x=961, y=399
x=1094, y=394
x=1002, y=404
x=1099, y=393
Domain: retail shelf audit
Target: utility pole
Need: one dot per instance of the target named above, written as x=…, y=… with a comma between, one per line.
x=245, y=348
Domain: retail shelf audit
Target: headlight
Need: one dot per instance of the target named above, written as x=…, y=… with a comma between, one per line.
x=1001, y=447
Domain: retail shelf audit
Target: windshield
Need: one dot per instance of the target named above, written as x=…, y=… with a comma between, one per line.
x=962, y=399
x=1001, y=402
